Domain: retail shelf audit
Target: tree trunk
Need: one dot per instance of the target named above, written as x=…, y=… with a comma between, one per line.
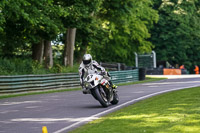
x=82, y=51
x=69, y=47
x=37, y=51
x=48, y=57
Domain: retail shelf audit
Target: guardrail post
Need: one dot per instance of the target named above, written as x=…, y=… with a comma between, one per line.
x=118, y=66
x=136, y=60
x=154, y=59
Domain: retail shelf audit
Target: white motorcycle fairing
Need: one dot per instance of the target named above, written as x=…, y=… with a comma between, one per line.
x=100, y=89
x=93, y=80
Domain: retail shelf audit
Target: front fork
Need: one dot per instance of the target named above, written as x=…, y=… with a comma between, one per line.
x=107, y=90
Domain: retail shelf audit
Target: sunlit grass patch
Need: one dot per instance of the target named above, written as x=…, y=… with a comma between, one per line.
x=173, y=112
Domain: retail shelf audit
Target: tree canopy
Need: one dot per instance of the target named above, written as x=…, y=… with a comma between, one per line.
x=176, y=35
x=125, y=26
x=28, y=21
x=111, y=30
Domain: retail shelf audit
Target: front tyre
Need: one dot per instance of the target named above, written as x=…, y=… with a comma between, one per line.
x=100, y=96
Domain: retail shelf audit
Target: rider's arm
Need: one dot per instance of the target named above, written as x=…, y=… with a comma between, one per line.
x=81, y=74
x=98, y=67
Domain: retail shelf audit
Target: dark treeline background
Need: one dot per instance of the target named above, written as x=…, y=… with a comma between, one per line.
x=50, y=36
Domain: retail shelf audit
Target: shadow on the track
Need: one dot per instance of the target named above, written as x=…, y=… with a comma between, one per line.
x=92, y=106
x=96, y=106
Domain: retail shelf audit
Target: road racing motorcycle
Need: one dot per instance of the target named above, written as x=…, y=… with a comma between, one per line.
x=101, y=89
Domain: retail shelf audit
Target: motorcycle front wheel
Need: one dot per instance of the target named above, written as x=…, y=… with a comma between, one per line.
x=100, y=96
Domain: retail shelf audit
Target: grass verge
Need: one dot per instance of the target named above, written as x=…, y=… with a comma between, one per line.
x=173, y=112
x=63, y=90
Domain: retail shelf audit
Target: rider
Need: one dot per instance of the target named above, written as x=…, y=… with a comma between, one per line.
x=89, y=66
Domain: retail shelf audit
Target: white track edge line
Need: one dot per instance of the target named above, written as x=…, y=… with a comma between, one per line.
x=96, y=116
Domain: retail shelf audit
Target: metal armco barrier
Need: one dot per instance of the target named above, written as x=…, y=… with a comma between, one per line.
x=9, y=84
x=23, y=83
x=124, y=76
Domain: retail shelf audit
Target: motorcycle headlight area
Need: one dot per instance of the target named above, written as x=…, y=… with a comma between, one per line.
x=87, y=85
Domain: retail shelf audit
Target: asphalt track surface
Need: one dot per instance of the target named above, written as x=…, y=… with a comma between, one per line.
x=62, y=112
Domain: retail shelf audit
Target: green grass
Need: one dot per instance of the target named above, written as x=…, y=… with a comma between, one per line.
x=173, y=112
x=63, y=90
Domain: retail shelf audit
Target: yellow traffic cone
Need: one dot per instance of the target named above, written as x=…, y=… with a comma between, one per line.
x=44, y=129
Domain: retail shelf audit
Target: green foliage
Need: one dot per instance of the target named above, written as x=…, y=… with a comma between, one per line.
x=18, y=66
x=124, y=30
x=80, y=12
x=176, y=35
x=111, y=30
x=114, y=29
x=10, y=67
x=57, y=68
x=2, y=19
x=82, y=15
x=27, y=22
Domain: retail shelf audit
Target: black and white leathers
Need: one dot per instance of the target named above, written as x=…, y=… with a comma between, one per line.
x=94, y=67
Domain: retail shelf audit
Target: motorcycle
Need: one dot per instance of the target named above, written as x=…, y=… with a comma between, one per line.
x=101, y=89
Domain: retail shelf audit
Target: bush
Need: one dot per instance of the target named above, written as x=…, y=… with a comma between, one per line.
x=18, y=66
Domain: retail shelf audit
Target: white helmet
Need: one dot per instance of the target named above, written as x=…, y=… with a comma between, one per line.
x=87, y=59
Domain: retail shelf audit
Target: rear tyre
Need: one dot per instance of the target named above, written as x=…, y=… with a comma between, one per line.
x=100, y=96
x=115, y=98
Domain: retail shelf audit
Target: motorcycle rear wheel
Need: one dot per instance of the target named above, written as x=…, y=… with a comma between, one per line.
x=115, y=98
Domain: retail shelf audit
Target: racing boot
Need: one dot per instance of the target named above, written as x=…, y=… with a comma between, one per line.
x=113, y=86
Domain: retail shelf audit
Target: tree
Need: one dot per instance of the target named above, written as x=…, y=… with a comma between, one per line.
x=2, y=19
x=30, y=23
x=48, y=55
x=80, y=15
x=69, y=47
x=38, y=51
x=126, y=26
x=105, y=28
x=176, y=35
